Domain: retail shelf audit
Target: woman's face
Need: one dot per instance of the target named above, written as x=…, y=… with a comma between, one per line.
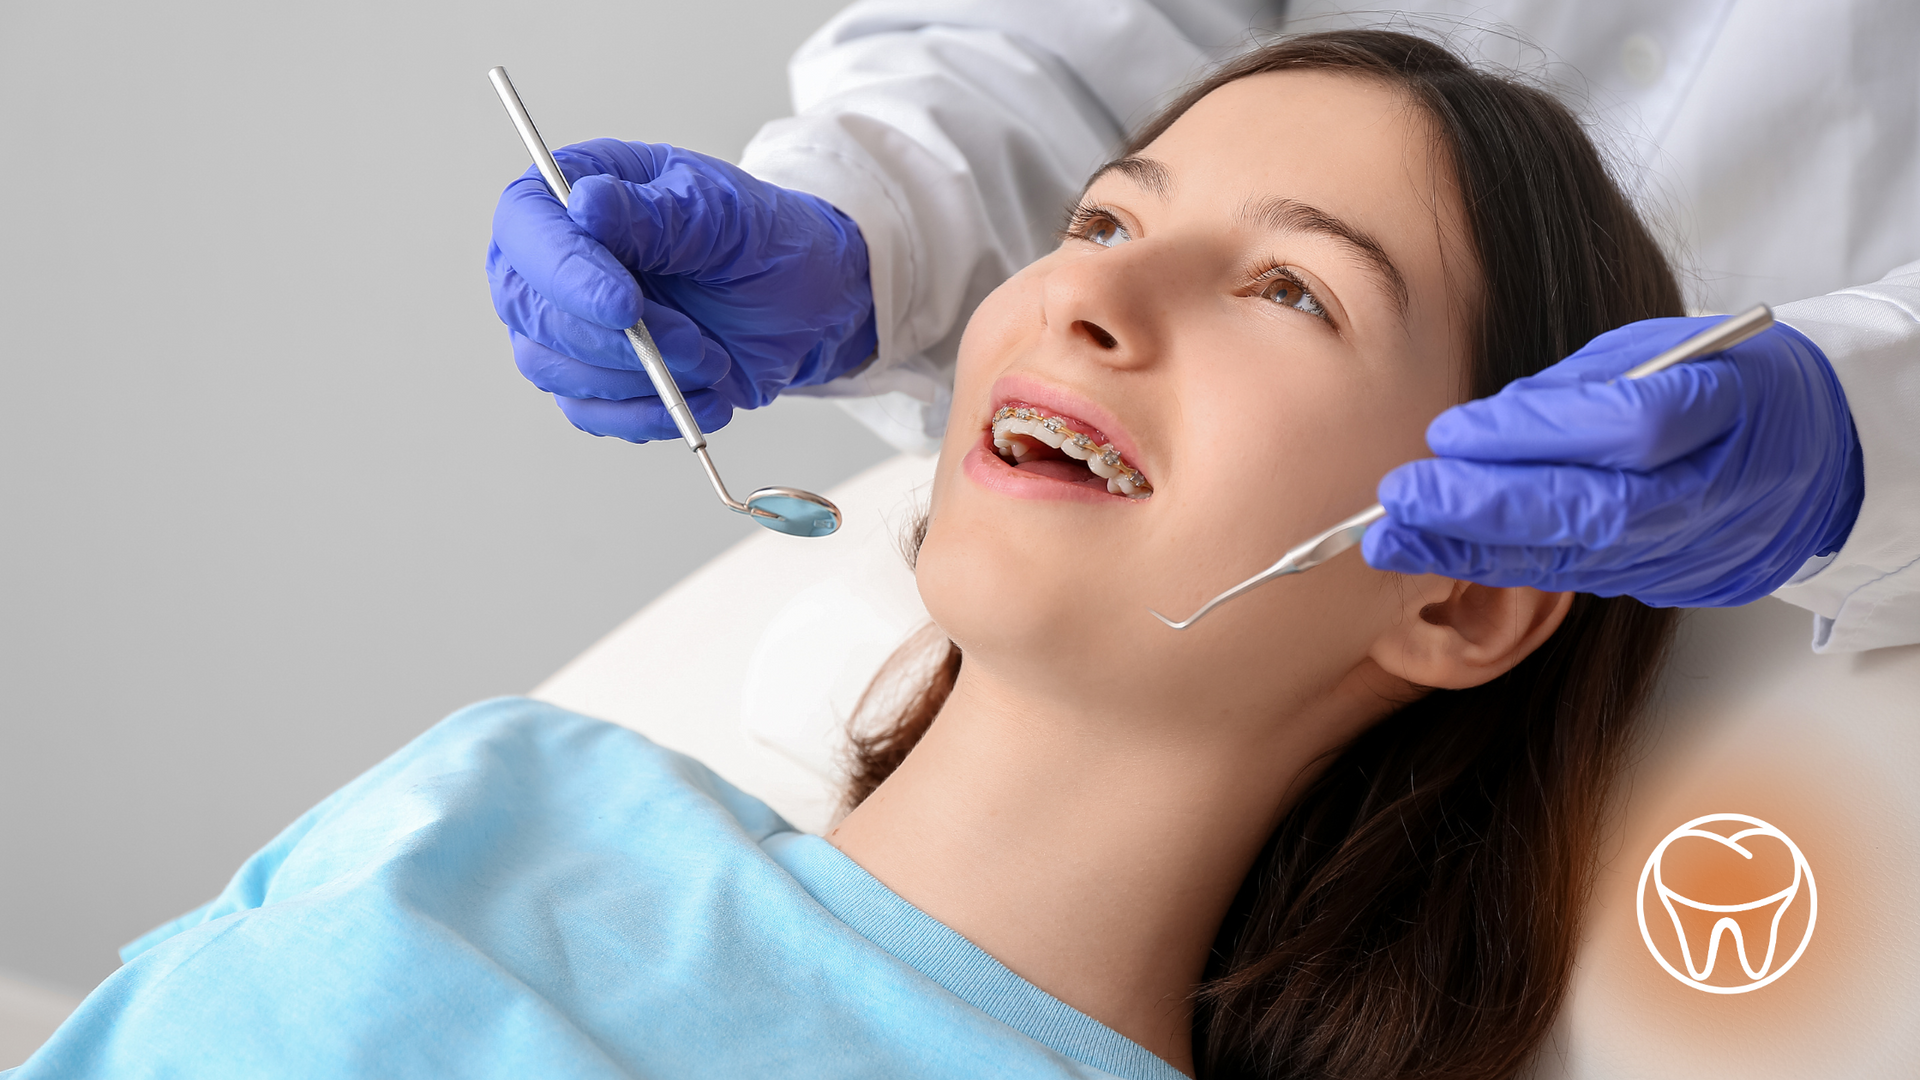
x=1261, y=313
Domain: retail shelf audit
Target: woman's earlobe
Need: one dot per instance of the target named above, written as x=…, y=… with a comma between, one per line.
x=1474, y=635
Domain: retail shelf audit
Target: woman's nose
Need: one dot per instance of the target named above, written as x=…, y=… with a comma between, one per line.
x=1095, y=333
x=1100, y=305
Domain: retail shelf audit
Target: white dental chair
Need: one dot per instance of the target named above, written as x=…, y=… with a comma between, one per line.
x=753, y=663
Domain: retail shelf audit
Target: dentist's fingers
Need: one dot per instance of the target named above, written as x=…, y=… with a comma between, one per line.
x=1403, y=550
x=1545, y=505
x=695, y=359
x=529, y=314
x=1623, y=424
x=688, y=218
x=559, y=259
x=557, y=373
x=1681, y=577
x=643, y=419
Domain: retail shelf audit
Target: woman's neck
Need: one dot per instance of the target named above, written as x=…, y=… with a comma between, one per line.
x=1095, y=856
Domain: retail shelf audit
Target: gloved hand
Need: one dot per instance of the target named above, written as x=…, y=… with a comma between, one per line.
x=747, y=287
x=1708, y=484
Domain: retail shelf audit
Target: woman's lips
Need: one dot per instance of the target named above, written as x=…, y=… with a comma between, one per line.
x=1029, y=436
x=1051, y=473
x=1065, y=470
x=1085, y=415
x=1072, y=422
x=1035, y=480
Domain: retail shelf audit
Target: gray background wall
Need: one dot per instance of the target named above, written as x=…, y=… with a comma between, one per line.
x=272, y=496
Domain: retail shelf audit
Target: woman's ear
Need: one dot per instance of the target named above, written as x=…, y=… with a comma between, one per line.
x=1473, y=635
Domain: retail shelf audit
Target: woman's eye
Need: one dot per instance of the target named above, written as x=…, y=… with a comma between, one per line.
x=1098, y=227
x=1288, y=290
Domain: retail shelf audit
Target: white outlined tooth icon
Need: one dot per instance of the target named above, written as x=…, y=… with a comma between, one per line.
x=1713, y=941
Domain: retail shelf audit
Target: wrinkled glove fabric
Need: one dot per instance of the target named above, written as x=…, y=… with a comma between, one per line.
x=748, y=288
x=1709, y=484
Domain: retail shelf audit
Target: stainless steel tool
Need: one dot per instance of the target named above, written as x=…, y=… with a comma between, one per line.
x=1719, y=337
x=782, y=509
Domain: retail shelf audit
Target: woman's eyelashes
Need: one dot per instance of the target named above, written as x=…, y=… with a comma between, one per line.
x=1283, y=286
x=1096, y=225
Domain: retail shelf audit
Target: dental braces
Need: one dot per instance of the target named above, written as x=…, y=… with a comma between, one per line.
x=1121, y=478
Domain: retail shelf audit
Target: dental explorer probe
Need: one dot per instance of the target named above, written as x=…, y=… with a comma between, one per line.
x=1719, y=337
x=782, y=509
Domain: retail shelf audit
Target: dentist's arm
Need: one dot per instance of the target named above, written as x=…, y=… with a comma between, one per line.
x=1868, y=595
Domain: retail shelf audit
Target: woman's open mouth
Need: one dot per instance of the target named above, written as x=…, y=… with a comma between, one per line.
x=1043, y=443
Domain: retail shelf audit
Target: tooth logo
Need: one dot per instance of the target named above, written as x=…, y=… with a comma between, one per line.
x=1734, y=892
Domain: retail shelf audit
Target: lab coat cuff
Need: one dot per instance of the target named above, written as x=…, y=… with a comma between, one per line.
x=1868, y=595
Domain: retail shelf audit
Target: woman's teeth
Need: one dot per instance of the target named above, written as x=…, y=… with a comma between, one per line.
x=1014, y=425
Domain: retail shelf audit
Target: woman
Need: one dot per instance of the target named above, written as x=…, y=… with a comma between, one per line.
x=1341, y=828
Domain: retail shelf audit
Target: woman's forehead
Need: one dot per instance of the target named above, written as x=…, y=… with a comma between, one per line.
x=1305, y=127
x=1356, y=148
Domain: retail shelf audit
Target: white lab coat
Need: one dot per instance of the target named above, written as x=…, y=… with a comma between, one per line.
x=1776, y=145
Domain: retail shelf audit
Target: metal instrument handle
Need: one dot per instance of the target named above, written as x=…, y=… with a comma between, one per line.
x=1719, y=337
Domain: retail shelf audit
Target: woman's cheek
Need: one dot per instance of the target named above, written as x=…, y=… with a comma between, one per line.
x=1009, y=315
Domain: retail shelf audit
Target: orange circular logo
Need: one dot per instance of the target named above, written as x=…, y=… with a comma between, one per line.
x=1727, y=903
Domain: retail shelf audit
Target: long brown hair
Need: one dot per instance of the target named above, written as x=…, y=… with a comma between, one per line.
x=1416, y=913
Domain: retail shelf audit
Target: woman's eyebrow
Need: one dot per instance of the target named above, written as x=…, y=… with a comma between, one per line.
x=1149, y=174
x=1281, y=214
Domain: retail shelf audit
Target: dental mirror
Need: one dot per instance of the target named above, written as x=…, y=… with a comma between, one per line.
x=794, y=512
x=1719, y=337
x=782, y=509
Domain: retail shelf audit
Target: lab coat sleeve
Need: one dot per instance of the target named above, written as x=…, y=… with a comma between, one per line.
x=956, y=133
x=1867, y=594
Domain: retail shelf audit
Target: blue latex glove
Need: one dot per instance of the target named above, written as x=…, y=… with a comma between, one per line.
x=1708, y=484
x=747, y=287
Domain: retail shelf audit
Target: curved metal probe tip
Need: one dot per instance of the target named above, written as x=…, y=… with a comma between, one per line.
x=1719, y=337
x=1305, y=557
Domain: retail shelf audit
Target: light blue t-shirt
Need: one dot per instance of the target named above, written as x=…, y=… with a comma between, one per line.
x=525, y=892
